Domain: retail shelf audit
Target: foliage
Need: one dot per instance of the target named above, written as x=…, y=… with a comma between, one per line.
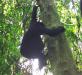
x=11, y=14
x=69, y=13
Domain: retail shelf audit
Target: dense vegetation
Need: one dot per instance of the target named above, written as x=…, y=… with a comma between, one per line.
x=12, y=13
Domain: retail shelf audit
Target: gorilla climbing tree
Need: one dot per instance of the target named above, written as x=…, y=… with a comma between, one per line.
x=32, y=45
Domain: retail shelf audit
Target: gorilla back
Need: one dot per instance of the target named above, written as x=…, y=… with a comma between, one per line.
x=32, y=45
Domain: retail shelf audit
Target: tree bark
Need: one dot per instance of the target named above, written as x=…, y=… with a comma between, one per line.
x=60, y=54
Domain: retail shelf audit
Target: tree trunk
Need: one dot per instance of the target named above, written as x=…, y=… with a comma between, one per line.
x=60, y=54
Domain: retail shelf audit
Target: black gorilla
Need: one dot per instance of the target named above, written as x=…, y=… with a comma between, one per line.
x=32, y=45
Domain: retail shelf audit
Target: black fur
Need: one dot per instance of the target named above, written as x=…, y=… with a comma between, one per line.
x=32, y=45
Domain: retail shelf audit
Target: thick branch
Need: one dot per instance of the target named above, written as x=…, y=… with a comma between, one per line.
x=60, y=54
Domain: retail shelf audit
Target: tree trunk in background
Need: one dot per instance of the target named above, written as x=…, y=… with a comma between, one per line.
x=60, y=54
